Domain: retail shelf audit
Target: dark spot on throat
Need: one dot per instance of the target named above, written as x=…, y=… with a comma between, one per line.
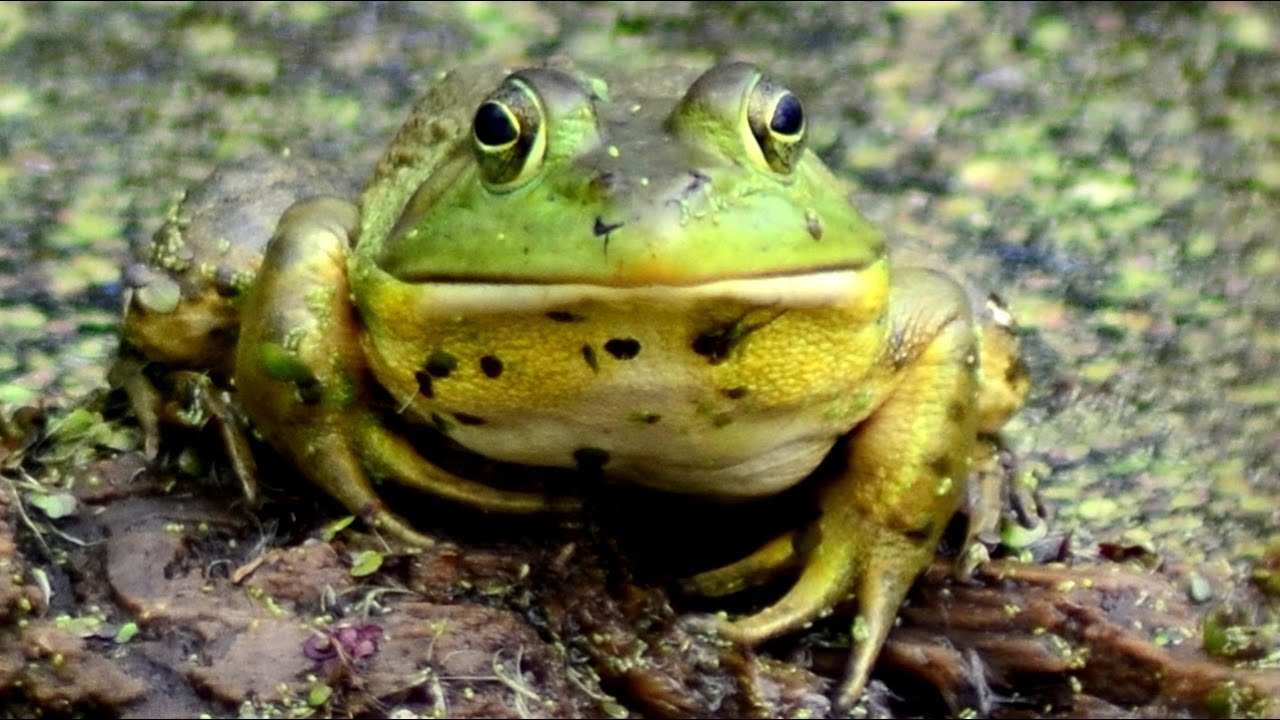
x=590, y=458
x=424, y=384
x=491, y=366
x=734, y=393
x=717, y=342
x=565, y=317
x=714, y=345
x=468, y=419
x=589, y=354
x=623, y=348
x=441, y=364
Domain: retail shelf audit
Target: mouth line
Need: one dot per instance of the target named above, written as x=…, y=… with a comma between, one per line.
x=629, y=280
x=811, y=287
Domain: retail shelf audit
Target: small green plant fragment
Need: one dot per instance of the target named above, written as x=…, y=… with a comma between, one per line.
x=1014, y=536
x=1232, y=700
x=331, y=530
x=318, y=695
x=53, y=505
x=82, y=627
x=366, y=562
x=126, y=633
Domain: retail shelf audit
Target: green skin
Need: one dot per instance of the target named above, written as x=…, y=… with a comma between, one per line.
x=653, y=281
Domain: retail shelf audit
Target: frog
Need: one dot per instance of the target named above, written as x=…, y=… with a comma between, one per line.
x=649, y=280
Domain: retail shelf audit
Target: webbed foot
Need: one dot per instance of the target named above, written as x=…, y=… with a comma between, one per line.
x=901, y=478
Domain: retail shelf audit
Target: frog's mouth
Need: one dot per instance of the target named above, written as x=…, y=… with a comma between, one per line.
x=638, y=275
x=819, y=288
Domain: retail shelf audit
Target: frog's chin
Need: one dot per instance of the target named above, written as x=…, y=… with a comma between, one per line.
x=822, y=288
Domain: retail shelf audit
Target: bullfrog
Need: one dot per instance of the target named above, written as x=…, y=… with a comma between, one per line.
x=650, y=281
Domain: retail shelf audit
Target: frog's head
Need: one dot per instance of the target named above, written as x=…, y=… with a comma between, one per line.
x=566, y=181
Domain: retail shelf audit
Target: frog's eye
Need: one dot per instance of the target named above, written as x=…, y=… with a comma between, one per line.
x=508, y=135
x=746, y=114
x=777, y=123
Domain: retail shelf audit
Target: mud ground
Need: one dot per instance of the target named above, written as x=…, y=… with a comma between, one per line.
x=1112, y=171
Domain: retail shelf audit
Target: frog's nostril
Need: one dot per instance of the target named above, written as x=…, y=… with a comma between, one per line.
x=605, y=183
x=696, y=182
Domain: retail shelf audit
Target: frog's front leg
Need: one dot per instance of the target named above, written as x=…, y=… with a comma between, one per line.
x=903, y=478
x=303, y=381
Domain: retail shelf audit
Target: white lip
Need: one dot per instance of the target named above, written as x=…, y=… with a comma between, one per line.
x=816, y=289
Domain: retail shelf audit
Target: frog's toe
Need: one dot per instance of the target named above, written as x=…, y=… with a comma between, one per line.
x=853, y=557
x=383, y=520
x=197, y=402
x=881, y=591
x=984, y=505
x=825, y=580
x=770, y=560
x=333, y=465
x=232, y=430
x=144, y=399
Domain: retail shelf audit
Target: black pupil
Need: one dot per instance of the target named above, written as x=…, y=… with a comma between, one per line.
x=788, y=116
x=493, y=125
